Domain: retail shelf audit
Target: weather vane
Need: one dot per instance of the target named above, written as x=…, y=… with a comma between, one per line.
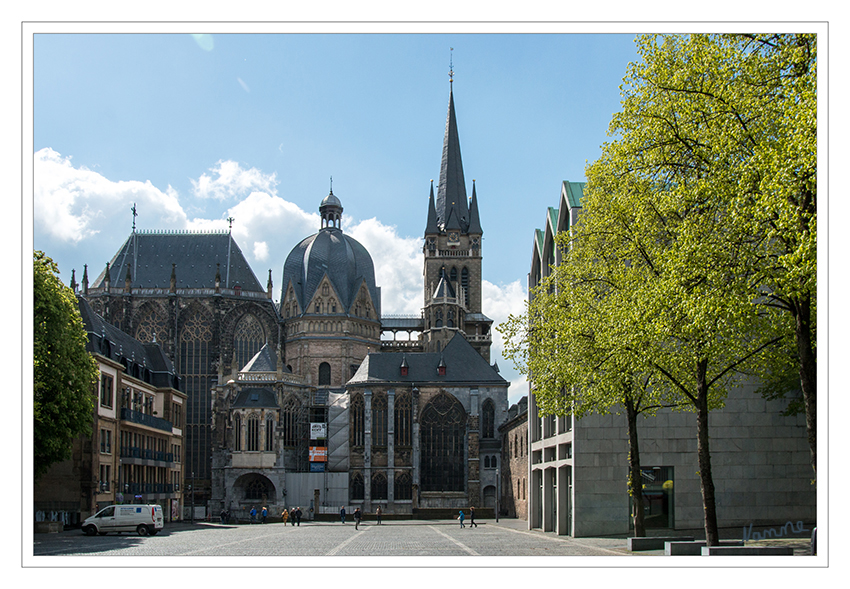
x=230, y=221
x=451, y=67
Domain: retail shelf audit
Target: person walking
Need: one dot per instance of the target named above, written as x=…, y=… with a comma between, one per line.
x=378, y=513
x=265, y=513
x=460, y=517
x=357, y=516
x=253, y=514
x=342, y=514
x=472, y=523
x=223, y=515
x=284, y=515
x=292, y=517
x=298, y=516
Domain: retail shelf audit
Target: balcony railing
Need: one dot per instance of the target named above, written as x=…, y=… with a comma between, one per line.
x=146, y=454
x=145, y=419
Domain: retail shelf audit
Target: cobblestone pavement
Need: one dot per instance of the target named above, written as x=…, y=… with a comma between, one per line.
x=441, y=538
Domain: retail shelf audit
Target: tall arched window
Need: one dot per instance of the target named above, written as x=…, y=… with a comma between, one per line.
x=248, y=338
x=357, y=489
x=194, y=363
x=403, y=486
x=358, y=417
x=443, y=436
x=403, y=417
x=237, y=432
x=253, y=439
x=488, y=419
x=289, y=421
x=324, y=374
x=151, y=324
x=464, y=282
x=379, y=420
x=269, y=446
x=379, y=486
x=257, y=490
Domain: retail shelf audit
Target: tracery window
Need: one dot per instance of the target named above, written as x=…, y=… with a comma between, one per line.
x=269, y=447
x=257, y=490
x=194, y=364
x=151, y=326
x=403, y=486
x=379, y=486
x=438, y=318
x=403, y=417
x=488, y=419
x=443, y=436
x=248, y=338
x=464, y=282
x=289, y=421
x=358, y=416
x=379, y=420
x=357, y=488
x=253, y=438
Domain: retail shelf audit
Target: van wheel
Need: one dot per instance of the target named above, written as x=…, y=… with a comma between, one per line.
x=90, y=530
x=142, y=530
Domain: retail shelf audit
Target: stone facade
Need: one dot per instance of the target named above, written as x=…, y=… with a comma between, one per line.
x=513, y=499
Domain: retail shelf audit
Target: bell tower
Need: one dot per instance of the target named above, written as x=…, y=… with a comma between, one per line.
x=453, y=240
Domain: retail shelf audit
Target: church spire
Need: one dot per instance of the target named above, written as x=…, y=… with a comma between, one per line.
x=431, y=227
x=451, y=191
x=474, y=219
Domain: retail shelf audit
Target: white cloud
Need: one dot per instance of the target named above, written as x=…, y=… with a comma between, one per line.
x=261, y=251
x=398, y=265
x=72, y=204
x=229, y=180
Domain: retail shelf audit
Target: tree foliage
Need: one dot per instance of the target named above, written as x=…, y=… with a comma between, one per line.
x=64, y=372
x=694, y=259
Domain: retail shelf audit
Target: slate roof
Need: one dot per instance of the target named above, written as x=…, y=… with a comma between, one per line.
x=147, y=362
x=333, y=254
x=263, y=361
x=451, y=190
x=197, y=255
x=260, y=398
x=464, y=367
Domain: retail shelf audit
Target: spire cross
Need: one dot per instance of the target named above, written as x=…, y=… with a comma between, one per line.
x=451, y=67
x=332, y=184
x=135, y=214
x=230, y=221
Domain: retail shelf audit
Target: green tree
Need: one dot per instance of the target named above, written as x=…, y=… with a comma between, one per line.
x=64, y=373
x=675, y=185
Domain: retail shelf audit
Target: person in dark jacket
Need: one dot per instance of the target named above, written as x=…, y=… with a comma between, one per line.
x=298, y=516
x=357, y=517
x=472, y=523
x=342, y=513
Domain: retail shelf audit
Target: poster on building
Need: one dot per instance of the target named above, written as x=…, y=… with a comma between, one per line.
x=318, y=454
x=318, y=431
x=317, y=467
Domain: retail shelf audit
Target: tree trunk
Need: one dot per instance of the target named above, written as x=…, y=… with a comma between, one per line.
x=706, y=481
x=635, y=483
x=808, y=370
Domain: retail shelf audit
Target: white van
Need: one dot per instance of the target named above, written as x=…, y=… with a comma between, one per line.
x=143, y=519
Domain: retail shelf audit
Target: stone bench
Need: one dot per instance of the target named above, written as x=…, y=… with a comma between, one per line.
x=654, y=543
x=747, y=551
x=680, y=548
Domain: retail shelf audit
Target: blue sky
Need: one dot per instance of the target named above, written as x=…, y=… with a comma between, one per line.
x=193, y=130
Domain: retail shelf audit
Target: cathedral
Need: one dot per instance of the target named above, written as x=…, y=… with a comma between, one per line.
x=304, y=403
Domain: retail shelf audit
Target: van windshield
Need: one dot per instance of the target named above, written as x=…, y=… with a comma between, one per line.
x=108, y=512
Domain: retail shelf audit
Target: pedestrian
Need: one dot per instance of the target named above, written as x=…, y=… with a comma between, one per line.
x=265, y=513
x=472, y=523
x=378, y=513
x=342, y=513
x=357, y=516
x=223, y=515
x=253, y=514
x=284, y=515
x=298, y=516
x=292, y=517
x=460, y=517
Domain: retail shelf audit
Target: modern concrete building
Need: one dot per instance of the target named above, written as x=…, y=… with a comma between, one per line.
x=578, y=468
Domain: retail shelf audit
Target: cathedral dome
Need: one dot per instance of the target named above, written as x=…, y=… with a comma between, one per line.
x=331, y=253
